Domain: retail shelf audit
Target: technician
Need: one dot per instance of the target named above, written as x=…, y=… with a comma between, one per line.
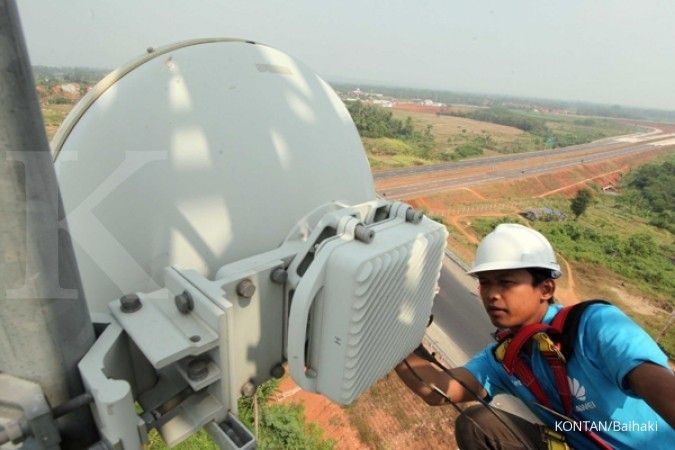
x=618, y=389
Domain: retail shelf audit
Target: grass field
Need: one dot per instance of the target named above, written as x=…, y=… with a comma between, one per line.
x=53, y=115
x=459, y=137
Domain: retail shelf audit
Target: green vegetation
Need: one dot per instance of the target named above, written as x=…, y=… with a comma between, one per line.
x=50, y=76
x=580, y=202
x=53, y=115
x=465, y=151
x=280, y=425
x=636, y=256
x=650, y=192
x=469, y=144
x=552, y=130
x=401, y=136
x=198, y=441
x=509, y=118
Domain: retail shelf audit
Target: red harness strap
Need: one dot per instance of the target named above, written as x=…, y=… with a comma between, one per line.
x=557, y=362
x=514, y=364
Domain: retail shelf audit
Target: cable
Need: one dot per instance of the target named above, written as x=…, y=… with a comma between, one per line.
x=470, y=391
x=433, y=387
x=440, y=392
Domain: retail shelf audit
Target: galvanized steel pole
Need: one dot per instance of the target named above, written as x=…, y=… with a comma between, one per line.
x=44, y=323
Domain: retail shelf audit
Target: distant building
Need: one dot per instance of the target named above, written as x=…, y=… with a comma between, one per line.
x=383, y=103
x=71, y=91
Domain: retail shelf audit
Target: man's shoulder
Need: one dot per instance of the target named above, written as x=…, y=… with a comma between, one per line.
x=605, y=317
x=597, y=315
x=607, y=334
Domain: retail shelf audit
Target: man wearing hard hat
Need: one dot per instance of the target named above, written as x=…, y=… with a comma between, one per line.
x=593, y=377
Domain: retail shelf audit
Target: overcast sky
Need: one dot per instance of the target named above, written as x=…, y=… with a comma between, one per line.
x=617, y=52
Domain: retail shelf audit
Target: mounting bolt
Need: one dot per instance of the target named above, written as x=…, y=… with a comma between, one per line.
x=198, y=369
x=246, y=288
x=184, y=302
x=279, y=275
x=363, y=234
x=130, y=303
x=277, y=371
x=248, y=389
x=413, y=216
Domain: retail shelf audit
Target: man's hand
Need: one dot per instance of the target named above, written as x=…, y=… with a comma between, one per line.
x=431, y=374
x=656, y=385
x=423, y=353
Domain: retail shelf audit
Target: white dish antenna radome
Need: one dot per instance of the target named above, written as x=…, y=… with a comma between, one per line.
x=197, y=155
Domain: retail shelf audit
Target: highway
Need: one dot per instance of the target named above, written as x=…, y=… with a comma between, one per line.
x=478, y=162
x=406, y=183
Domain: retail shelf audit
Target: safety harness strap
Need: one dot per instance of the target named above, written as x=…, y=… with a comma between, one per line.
x=510, y=345
x=567, y=322
x=517, y=342
x=523, y=372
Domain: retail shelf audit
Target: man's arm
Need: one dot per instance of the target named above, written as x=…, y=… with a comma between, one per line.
x=656, y=385
x=433, y=375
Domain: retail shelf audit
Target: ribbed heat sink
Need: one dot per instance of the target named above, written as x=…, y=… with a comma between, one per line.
x=391, y=307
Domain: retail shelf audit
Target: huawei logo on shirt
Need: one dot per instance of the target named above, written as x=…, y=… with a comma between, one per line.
x=577, y=389
x=579, y=393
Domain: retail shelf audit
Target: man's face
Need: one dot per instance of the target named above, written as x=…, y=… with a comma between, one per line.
x=510, y=299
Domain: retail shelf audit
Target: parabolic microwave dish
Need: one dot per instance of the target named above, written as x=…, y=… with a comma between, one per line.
x=197, y=155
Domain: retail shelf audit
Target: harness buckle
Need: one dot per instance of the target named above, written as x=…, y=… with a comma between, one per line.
x=547, y=346
x=553, y=439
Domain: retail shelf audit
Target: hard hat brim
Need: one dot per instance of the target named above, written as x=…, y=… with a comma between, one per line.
x=508, y=265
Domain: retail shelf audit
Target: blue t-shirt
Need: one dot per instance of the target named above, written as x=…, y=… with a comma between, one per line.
x=608, y=346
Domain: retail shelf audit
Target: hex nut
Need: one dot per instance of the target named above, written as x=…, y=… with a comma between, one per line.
x=248, y=389
x=279, y=275
x=413, y=216
x=277, y=371
x=364, y=234
x=184, y=302
x=130, y=303
x=198, y=369
x=246, y=288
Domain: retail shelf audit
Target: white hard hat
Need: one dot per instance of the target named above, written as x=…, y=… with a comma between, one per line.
x=514, y=246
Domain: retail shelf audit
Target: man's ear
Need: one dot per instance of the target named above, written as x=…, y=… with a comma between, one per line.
x=547, y=288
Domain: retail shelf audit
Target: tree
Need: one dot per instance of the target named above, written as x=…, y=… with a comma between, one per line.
x=580, y=202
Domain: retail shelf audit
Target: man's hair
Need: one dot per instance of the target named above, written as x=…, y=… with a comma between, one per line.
x=539, y=275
